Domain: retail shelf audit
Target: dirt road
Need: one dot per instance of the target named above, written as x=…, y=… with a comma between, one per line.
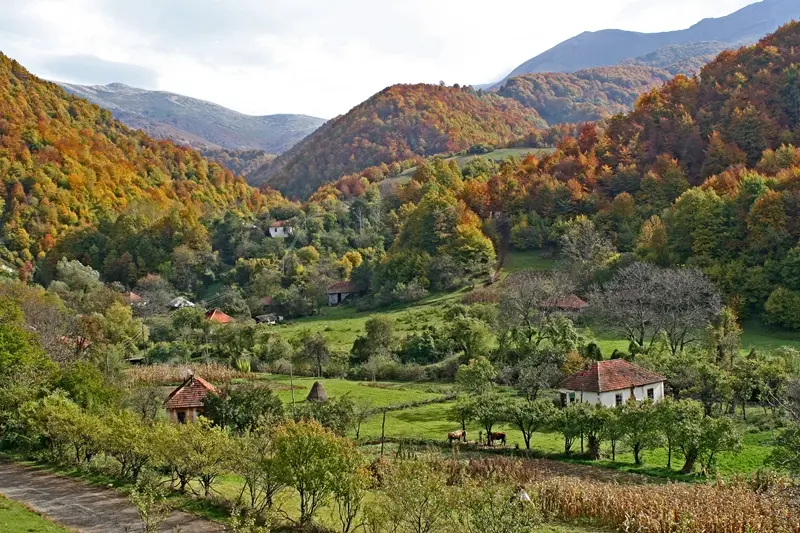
x=83, y=507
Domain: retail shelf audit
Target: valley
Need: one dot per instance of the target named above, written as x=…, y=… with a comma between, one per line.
x=568, y=303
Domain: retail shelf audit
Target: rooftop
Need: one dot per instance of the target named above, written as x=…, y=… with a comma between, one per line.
x=605, y=376
x=342, y=286
x=216, y=315
x=191, y=394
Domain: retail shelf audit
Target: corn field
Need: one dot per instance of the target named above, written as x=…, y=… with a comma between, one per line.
x=173, y=374
x=669, y=508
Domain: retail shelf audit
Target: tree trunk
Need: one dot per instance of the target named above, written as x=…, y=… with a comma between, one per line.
x=669, y=454
x=744, y=410
x=688, y=465
x=594, y=448
x=614, y=450
x=637, y=455
x=527, y=437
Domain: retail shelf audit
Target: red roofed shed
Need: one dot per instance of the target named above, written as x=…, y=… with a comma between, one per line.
x=339, y=292
x=185, y=403
x=215, y=315
x=570, y=303
x=612, y=383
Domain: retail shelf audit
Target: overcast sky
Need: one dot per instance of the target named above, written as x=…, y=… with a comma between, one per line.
x=316, y=57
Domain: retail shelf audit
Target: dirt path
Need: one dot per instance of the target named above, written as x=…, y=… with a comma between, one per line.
x=83, y=507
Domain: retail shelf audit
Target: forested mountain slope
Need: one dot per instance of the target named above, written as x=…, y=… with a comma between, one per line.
x=399, y=123
x=586, y=95
x=66, y=163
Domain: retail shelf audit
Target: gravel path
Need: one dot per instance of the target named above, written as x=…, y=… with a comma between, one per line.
x=83, y=507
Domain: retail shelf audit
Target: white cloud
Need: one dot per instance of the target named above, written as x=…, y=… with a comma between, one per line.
x=307, y=56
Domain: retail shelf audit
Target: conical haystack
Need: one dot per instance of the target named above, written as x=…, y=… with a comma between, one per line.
x=318, y=393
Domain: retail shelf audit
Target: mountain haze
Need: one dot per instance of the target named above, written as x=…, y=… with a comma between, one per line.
x=197, y=123
x=611, y=47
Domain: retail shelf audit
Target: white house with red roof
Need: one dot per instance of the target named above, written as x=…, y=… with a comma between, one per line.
x=281, y=229
x=185, y=403
x=612, y=383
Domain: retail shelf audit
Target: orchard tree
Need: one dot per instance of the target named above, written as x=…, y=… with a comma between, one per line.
x=314, y=460
x=244, y=408
x=641, y=427
x=530, y=416
x=477, y=377
x=313, y=349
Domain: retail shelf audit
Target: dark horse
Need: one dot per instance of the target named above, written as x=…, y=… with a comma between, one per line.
x=497, y=436
x=461, y=434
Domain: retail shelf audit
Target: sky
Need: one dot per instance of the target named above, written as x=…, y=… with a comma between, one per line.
x=314, y=57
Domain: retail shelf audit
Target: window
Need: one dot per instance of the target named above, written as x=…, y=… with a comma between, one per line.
x=563, y=399
x=651, y=394
x=182, y=417
x=618, y=399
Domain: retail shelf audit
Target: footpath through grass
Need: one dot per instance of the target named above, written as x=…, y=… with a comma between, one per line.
x=16, y=518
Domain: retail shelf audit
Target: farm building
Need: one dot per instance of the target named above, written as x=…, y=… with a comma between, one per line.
x=185, y=403
x=215, y=315
x=281, y=229
x=611, y=383
x=179, y=303
x=339, y=292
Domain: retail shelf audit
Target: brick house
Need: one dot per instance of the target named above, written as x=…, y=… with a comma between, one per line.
x=185, y=403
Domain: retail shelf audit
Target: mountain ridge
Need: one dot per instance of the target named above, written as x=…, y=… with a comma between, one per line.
x=613, y=46
x=195, y=122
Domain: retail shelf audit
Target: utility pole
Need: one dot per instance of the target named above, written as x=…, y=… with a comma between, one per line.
x=383, y=427
x=291, y=386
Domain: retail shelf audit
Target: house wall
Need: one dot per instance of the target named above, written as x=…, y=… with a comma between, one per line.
x=609, y=398
x=281, y=231
x=191, y=415
x=337, y=298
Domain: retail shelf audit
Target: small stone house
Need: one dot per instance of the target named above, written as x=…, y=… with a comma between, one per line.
x=612, y=383
x=339, y=292
x=185, y=403
x=281, y=229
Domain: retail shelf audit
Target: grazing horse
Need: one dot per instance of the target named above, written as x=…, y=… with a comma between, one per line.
x=457, y=436
x=495, y=436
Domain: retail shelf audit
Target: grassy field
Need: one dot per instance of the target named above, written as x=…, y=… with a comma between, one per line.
x=380, y=394
x=16, y=518
x=497, y=155
x=533, y=260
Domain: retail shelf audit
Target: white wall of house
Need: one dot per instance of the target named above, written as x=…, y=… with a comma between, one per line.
x=612, y=398
x=280, y=231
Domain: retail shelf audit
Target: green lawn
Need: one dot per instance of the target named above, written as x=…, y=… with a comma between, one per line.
x=380, y=394
x=342, y=325
x=757, y=335
x=532, y=260
x=16, y=518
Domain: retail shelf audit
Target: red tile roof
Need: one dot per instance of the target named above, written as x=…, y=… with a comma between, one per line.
x=280, y=224
x=616, y=374
x=342, y=287
x=133, y=297
x=267, y=300
x=218, y=316
x=190, y=395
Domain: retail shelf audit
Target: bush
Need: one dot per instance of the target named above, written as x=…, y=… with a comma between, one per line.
x=783, y=309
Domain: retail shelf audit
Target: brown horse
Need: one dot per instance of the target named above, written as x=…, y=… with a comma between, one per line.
x=497, y=436
x=457, y=436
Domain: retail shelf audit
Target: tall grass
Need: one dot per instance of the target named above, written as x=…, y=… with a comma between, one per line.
x=174, y=374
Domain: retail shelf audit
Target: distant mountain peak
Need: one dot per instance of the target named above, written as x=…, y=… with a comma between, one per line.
x=611, y=47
